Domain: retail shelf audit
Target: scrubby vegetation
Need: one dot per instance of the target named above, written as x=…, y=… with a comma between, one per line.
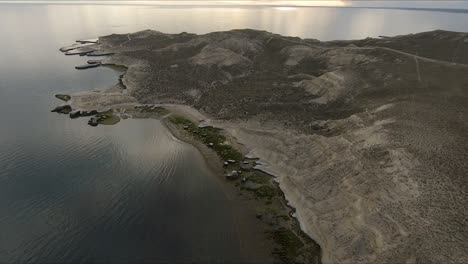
x=266, y=191
x=272, y=210
x=116, y=67
x=259, y=178
x=151, y=109
x=289, y=245
x=210, y=136
x=108, y=118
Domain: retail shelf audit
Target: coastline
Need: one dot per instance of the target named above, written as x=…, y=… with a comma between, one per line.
x=314, y=114
x=268, y=230
x=251, y=206
x=257, y=247
x=213, y=161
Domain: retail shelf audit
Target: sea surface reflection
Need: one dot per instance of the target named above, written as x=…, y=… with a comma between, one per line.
x=130, y=192
x=125, y=193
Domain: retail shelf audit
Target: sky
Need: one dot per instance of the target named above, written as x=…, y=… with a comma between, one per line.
x=445, y=4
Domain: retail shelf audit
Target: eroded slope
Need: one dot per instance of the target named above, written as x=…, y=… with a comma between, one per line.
x=368, y=139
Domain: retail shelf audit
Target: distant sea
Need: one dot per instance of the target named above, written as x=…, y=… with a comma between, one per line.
x=131, y=193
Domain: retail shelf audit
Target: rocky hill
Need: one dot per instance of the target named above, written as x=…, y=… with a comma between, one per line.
x=368, y=138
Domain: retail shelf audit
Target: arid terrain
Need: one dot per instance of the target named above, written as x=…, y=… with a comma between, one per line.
x=368, y=139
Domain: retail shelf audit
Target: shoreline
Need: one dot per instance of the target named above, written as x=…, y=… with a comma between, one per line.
x=281, y=245
x=249, y=209
x=211, y=158
x=239, y=195
x=328, y=119
x=263, y=216
x=253, y=248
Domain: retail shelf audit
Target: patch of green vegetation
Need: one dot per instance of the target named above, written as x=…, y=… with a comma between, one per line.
x=258, y=178
x=289, y=245
x=227, y=152
x=110, y=120
x=273, y=210
x=160, y=110
x=283, y=217
x=108, y=112
x=116, y=67
x=152, y=109
x=208, y=135
x=290, y=248
x=266, y=192
x=178, y=120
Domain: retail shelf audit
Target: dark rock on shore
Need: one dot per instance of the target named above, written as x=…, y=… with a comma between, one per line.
x=246, y=167
x=232, y=175
x=65, y=49
x=63, y=97
x=99, y=53
x=63, y=109
x=79, y=51
x=98, y=119
x=87, y=66
x=75, y=114
x=94, y=121
x=78, y=113
x=89, y=113
x=94, y=62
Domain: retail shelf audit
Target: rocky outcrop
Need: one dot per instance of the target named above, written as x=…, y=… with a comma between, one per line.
x=87, y=66
x=63, y=97
x=63, y=109
x=80, y=51
x=80, y=113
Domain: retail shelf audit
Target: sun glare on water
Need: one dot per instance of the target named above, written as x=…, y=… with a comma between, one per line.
x=280, y=4
x=285, y=8
x=336, y=3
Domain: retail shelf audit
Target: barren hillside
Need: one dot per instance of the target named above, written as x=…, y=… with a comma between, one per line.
x=368, y=138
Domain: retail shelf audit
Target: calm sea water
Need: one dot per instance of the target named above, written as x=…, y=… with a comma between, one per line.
x=130, y=192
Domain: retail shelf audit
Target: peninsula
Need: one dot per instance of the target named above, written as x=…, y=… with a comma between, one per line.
x=367, y=139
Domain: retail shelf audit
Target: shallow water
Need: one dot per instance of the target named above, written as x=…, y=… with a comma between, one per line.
x=70, y=192
x=130, y=192
x=126, y=193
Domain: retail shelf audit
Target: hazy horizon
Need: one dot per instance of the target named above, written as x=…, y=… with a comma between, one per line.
x=287, y=3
